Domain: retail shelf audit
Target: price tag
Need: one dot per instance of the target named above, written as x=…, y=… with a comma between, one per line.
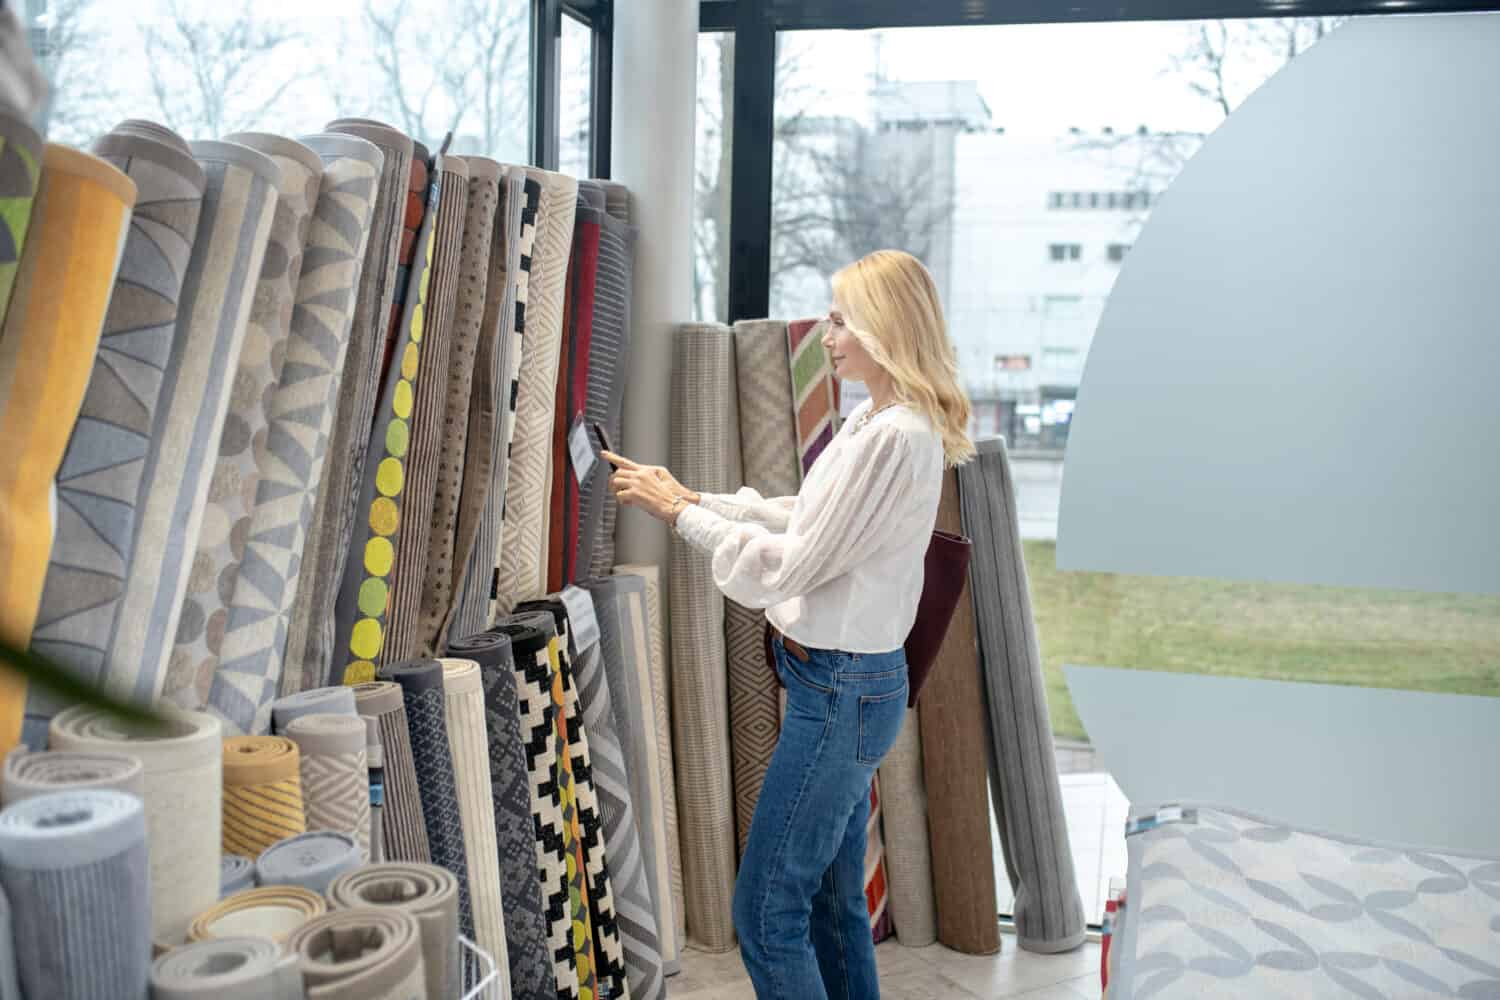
x=581, y=449
x=581, y=619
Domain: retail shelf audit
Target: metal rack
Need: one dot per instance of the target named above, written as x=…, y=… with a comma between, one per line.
x=479, y=969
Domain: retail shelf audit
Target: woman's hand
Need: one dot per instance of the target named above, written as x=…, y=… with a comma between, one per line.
x=649, y=487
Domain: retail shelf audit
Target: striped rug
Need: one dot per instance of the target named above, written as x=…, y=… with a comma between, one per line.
x=814, y=392
x=610, y=361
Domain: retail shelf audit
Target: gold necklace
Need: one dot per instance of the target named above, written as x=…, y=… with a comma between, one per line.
x=870, y=414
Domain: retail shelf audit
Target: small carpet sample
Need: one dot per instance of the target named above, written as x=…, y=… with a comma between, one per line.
x=427, y=892
x=335, y=775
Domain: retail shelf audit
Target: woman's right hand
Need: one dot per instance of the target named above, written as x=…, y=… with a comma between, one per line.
x=658, y=472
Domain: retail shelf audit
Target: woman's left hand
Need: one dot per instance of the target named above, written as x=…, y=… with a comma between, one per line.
x=639, y=487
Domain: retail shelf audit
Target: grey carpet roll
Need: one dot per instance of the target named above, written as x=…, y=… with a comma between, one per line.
x=30, y=774
x=375, y=761
x=442, y=570
x=239, y=207
x=301, y=419
x=1022, y=763
x=236, y=874
x=74, y=868
x=99, y=483
x=426, y=892
x=421, y=684
x=635, y=913
x=645, y=648
x=363, y=954
x=312, y=860
x=908, y=851
x=403, y=830
x=703, y=381
x=332, y=700
x=492, y=403
x=310, y=634
x=184, y=768
x=10, y=973
x=236, y=968
x=235, y=479
x=335, y=774
x=424, y=454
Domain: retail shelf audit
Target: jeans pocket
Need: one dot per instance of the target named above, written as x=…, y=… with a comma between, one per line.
x=880, y=719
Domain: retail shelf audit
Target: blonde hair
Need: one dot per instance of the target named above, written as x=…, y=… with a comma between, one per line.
x=894, y=310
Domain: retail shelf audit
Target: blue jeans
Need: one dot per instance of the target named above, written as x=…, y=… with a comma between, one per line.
x=799, y=903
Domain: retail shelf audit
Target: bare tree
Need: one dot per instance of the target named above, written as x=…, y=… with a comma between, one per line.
x=68, y=48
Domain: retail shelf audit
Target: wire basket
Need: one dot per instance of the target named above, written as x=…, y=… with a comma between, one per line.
x=481, y=977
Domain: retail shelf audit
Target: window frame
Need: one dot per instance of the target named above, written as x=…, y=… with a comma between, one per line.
x=546, y=80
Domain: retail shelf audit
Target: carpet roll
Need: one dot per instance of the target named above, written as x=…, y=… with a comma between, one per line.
x=646, y=652
x=262, y=793
x=754, y=711
x=184, y=791
x=635, y=913
x=908, y=851
x=442, y=571
x=363, y=954
x=616, y=200
x=312, y=860
x=702, y=428
x=425, y=450
x=99, y=480
x=10, y=973
x=335, y=700
x=273, y=912
x=301, y=411
x=463, y=697
x=532, y=638
x=236, y=874
x=403, y=830
x=530, y=960
x=608, y=365
x=234, y=228
x=523, y=569
x=421, y=684
x=814, y=391
x=877, y=897
x=426, y=892
x=20, y=172
x=310, y=638
x=954, y=740
x=335, y=774
x=375, y=761
x=236, y=968
x=235, y=477
x=1022, y=762
x=31, y=774
x=74, y=868
x=78, y=225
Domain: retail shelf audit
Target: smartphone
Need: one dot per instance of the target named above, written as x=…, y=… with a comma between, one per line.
x=604, y=442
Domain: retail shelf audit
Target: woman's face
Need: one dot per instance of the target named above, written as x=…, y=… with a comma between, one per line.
x=851, y=362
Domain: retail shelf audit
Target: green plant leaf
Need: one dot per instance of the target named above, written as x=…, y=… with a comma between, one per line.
x=62, y=682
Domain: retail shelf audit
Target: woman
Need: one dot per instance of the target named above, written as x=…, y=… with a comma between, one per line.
x=838, y=569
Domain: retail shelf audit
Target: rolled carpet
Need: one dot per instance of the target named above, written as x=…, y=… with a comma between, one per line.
x=705, y=436
x=425, y=892
x=954, y=739
x=523, y=564
x=429, y=411
x=532, y=638
x=335, y=774
x=98, y=484
x=363, y=954
x=31, y=774
x=218, y=294
x=908, y=852
x=302, y=404
x=530, y=961
x=78, y=227
x=375, y=761
x=312, y=860
x=645, y=649
x=635, y=913
x=403, y=830
x=814, y=391
x=184, y=790
x=236, y=874
x=876, y=892
x=336, y=700
x=236, y=968
x=1022, y=763
x=268, y=912
x=20, y=172
x=262, y=793
x=609, y=361
x=235, y=479
x=10, y=978
x=421, y=684
x=310, y=634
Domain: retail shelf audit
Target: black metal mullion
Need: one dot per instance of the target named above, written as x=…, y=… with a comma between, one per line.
x=546, y=85
x=601, y=91
x=753, y=134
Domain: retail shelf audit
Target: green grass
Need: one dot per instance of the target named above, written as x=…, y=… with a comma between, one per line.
x=1332, y=635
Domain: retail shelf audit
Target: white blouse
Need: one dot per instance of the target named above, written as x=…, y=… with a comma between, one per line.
x=840, y=565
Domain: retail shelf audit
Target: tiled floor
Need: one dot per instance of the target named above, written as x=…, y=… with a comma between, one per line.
x=932, y=973
x=1096, y=810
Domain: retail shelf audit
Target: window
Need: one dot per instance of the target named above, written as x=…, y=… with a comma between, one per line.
x=1117, y=252
x=575, y=91
x=711, y=190
x=1065, y=251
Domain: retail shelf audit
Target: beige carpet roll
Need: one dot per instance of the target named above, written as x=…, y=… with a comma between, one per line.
x=272, y=911
x=908, y=851
x=184, y=771
x=237, y=968
x=364, y=954
x=403, y=831
x=31, y=774
x=427, y=892
x=262, y=793
x=335, y=775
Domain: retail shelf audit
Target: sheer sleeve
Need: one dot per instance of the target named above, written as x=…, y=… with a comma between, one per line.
x=857, y=512
x=749, y=506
